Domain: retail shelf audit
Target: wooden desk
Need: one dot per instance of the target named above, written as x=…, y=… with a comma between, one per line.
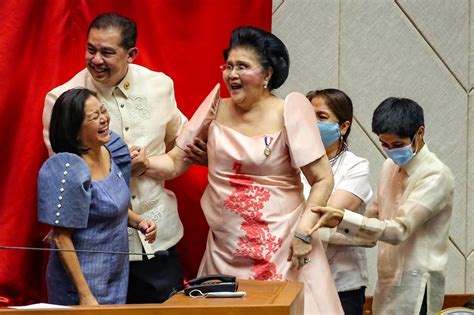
x=263, y=298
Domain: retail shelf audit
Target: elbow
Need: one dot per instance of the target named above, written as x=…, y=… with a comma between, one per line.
x=397, y=241
x=399, y=236
x=61, y=239
x=330, y=181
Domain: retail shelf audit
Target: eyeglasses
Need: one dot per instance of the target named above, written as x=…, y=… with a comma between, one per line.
x=237, y=68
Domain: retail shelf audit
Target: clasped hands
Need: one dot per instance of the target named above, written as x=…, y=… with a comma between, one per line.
x=140, y=161
x=147, y=228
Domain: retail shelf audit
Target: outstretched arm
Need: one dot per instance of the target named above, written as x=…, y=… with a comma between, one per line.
x=169, y=165
x=431, y=195
x=342, y=199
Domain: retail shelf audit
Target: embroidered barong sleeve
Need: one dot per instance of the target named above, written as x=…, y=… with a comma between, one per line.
x=338, y=238
x=429, y=194
x=177, y=121
x=47, y=110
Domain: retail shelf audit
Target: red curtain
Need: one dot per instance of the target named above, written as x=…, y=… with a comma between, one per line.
x=42, y=45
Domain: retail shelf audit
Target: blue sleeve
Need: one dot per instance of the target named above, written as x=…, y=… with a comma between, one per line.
x=64, y=194
x=121, y=155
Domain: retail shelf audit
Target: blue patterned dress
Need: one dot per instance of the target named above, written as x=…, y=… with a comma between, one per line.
x=98, y=213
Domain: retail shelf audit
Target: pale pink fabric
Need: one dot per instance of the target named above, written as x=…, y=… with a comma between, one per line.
x=253, y=203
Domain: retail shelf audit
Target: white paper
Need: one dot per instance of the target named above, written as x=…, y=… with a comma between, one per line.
x=38, y=306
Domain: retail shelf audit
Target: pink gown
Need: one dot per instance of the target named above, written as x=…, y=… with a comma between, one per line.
x=253, y=202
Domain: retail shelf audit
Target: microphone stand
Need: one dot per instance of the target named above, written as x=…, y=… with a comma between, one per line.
x=158, y=253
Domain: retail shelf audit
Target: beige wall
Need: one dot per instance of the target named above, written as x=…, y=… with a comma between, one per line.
x=373, y=49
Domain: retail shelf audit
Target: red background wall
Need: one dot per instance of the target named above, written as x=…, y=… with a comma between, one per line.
x=42, y=45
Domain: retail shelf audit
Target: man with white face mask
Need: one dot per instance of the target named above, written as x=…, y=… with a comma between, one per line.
x=410, y=214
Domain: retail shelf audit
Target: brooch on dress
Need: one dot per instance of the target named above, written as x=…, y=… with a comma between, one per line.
x=267, y=140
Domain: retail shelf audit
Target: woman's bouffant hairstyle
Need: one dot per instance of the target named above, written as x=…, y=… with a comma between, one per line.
x=339, y=103
x=270, y=49
x=66, y=121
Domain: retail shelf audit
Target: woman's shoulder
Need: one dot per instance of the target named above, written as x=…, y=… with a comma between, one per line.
x=296, y=98
x=355, y=158
x=296, y=104
x=353, y=162
x=64, y=194
x=62, y=162
x=120, y=154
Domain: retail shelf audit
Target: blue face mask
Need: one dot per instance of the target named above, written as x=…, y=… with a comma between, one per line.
x=329, y=132
x=400, y=156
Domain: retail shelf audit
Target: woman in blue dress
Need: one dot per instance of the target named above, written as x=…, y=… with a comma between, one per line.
x=83, y=194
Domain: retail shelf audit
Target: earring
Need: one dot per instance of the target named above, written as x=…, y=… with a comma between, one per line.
x=265, y=84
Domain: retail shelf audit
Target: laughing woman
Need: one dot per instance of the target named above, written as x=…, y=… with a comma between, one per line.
x=257, y=143
x=83, y=194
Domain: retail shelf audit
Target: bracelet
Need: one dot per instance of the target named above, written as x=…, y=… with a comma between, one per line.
x=305, y=238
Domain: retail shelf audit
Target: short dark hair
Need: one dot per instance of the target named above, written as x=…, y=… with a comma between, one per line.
x=66, y=121
x=126, y=26
x=338, y=102
x=400, y=116
x=270, y=49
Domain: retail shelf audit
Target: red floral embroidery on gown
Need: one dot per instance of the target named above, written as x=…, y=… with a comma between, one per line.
x=258, y=243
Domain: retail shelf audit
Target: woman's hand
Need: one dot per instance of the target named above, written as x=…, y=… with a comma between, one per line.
x=299, y=251
x=196, y=152
x=148, y=228
x=88, y=299
x=329, y=217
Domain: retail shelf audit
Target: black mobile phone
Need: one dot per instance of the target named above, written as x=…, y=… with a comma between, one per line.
x=212, y=283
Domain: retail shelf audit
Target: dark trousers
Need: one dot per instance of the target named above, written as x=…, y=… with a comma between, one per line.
x=154, y=280
x=353, y=301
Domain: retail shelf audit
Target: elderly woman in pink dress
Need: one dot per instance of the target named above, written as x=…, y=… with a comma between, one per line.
x=257, y=145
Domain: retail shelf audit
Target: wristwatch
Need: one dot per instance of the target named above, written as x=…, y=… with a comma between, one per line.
x=305, y=238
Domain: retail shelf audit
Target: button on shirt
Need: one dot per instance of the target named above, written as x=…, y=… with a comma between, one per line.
x=143, y=112
x=410, y=214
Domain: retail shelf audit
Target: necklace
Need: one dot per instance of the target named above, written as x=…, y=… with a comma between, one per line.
x=335, y=159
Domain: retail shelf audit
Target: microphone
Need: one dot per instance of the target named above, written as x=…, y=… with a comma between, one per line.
x=158, y=253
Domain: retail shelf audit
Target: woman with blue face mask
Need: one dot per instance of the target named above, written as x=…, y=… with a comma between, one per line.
x=352, y=191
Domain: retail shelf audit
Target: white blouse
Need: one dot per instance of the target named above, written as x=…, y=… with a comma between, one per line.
x=348, y=264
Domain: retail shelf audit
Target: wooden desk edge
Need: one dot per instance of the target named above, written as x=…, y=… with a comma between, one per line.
x=289, y=300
